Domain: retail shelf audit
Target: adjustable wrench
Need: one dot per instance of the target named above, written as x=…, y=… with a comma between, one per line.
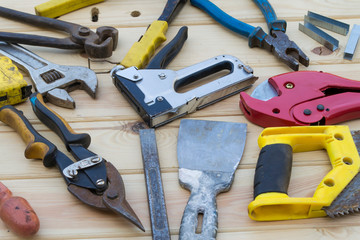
x=51, y=80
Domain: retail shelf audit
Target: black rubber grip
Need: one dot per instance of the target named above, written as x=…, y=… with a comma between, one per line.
x=171, y=9
x=57, y=124
x=273, y=169
x=167, y=54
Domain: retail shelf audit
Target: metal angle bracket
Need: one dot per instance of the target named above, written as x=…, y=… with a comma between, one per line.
x=327, y=23
x=318, y=35
x=352, y=42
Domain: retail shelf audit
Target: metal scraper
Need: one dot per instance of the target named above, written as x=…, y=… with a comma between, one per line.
x=208, y=153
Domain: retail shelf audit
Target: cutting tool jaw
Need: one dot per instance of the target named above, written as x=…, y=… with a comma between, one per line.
x=284, y=49
x=112, y=198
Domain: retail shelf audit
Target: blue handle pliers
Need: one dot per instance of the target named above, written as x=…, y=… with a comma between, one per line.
x=276, y=41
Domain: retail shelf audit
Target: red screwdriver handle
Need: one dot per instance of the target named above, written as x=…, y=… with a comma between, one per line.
x=17, y=214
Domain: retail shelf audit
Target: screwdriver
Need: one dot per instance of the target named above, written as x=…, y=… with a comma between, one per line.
x=17, y=214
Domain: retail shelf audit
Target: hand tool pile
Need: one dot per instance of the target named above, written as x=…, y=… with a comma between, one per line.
x=296, y=109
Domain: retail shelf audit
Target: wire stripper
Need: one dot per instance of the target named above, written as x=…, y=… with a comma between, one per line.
x=13, y=88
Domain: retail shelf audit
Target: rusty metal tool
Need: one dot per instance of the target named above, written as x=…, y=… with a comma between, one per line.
x=337, y=194
x=96, y=45
x=155, y=193
x=92, y=179
x=51, y=80
x=17, y=214
x=276, y=41
x=208, y=154
x=56, y=8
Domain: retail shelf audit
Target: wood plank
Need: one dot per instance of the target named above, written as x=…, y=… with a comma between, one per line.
x=58, y=210
x=113, y=125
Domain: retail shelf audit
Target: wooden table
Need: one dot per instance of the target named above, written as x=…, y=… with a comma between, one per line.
x=112, y=124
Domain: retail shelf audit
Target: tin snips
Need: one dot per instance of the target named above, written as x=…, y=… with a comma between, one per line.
x=92, y=179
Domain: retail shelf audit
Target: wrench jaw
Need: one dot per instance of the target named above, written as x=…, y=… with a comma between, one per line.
x=284, y=49
x=60, y=97
x=71, y=78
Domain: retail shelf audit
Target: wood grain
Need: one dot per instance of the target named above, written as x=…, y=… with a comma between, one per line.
x=113, y=124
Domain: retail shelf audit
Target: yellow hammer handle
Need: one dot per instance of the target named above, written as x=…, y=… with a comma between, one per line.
x=56, y=8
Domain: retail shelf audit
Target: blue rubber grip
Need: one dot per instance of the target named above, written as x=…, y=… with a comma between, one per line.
x=270, y=16
x=223, y=18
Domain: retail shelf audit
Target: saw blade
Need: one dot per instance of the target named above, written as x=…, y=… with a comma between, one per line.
x=348, y=201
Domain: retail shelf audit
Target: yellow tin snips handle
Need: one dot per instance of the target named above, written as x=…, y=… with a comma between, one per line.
x=273, y=170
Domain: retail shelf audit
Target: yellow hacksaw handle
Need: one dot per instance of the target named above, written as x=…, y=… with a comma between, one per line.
x=271, y=203
x=141, y=51
x=56, y=8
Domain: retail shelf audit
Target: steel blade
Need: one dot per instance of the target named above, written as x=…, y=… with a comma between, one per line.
x=210, y=145
x=155, y=193
x=264, y=91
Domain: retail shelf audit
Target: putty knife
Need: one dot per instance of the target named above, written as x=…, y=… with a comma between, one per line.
x=208, y=153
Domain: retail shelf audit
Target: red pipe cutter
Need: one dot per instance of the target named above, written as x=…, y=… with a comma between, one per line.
x=302, y=98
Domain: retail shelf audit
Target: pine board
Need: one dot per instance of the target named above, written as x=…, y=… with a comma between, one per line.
x=113, y=125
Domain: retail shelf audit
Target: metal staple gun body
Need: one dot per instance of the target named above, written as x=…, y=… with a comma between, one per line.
x=160, y=105
x=276, y=41
x=52, y=80
x=96, y=45
x=91, y=179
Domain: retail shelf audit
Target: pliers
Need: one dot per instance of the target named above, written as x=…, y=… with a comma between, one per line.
x=141, y=52
x=96, y=45
x=92, y=179
x=276, y=41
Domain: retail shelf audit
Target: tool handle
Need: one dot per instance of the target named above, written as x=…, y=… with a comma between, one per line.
x=270, y=16
x=56, y=8
x=273, y=169
x=167, y=53
x=35, y=40
x=56, y=123
x=38, y=147
x=172, y=8
x=202, y=201
x=223, y=18
x=17, y=214
x=38, y=20
x=141, y=51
